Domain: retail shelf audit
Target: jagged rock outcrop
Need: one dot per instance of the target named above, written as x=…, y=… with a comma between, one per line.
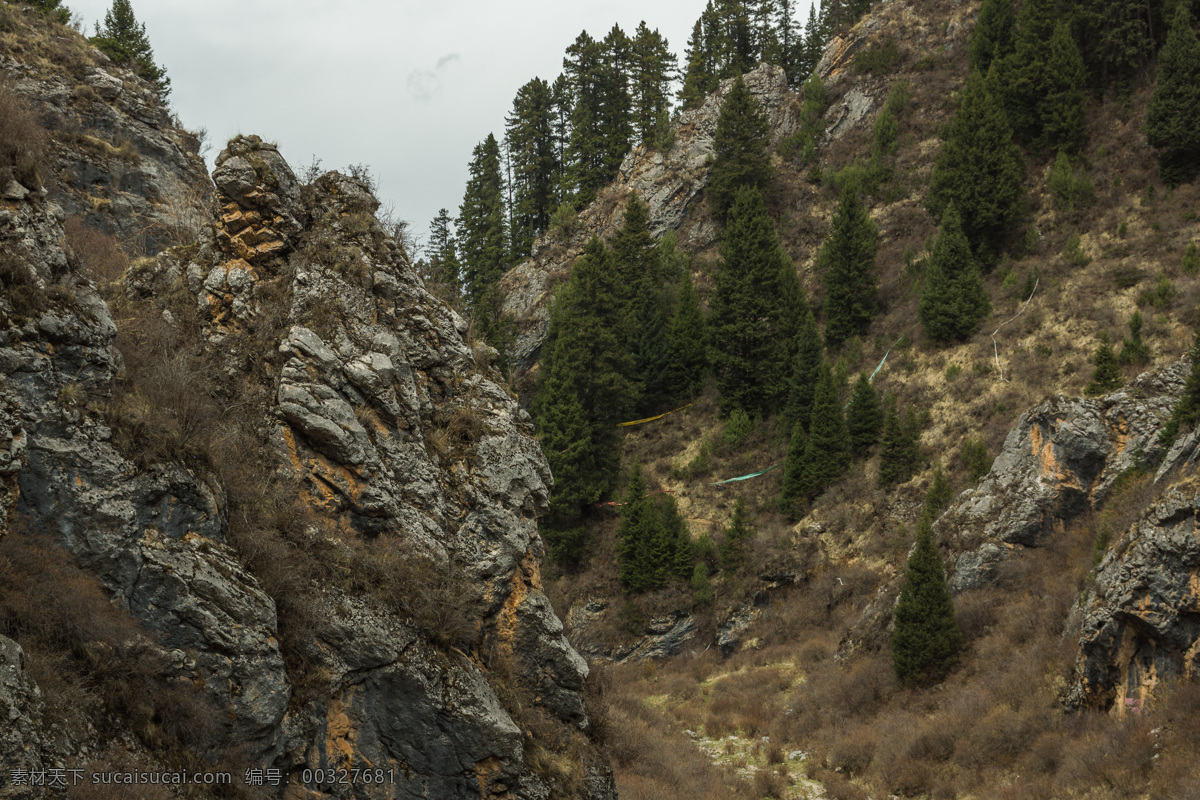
x=118, y=160
x=1141, y=621
x=670, y=182
x=1061, y=459
x=395, y=434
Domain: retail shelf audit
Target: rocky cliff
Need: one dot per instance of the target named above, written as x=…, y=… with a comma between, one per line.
x=669, y=181
x=349, y=386
x=116, y=158
x=1069, y=460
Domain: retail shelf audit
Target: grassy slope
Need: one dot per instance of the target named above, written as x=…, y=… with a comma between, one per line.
x=996, y=717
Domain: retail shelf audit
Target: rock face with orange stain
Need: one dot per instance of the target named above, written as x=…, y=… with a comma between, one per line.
x=1058, y=462
x=1141, y=622
x=399, y=436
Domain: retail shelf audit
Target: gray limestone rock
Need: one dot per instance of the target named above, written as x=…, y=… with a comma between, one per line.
x=20, y=724
x=1141, y=622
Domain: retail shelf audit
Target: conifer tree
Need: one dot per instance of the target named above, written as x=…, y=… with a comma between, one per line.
x=791, y=41
x=1022, y=76
x=688, y=366
x=793, y=471
x=676, y=532
x=635, y=250
x=615, y=112
x=567, y=440
x=814, y=42
x=1133, y=349
x=638, y=535
x=587, y=365
x=1186, y=414
x=954, y=300
x=481, y=222
x=443, y=258
x=1063, y=98
x=980, y=172
x=1171, y=115
x=124, y=39
x=650, y=345
x=827, y=451
x=652, y=68
x=938, y=496
x=697, y=75
x=1119, y=41
x=754, y=311
x=900, y=447
x=926, y=641
x=805, y=370
x=1106, y=377
x=864, y=416
x=992, y=39
x=585, y=158
x=529, y=133
x=848, y=260
x=740, y=530
x=740, y=157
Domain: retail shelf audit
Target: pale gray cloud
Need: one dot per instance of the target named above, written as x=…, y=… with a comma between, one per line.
x=408, y=87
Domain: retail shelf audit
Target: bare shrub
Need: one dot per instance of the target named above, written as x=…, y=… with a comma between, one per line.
x=94, y=253
x=22, y=140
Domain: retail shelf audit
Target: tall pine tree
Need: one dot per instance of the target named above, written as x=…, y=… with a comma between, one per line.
x=980, y=172
x=123, y=39
x=926, y=640
x=652, y=69
x=535, y=167
x=1186, y=414
x=992, y=39
x=848, y=260
x=864, y=416
x=954, y=300
x=805, y=369
x=443, y=255
x=1171, y=116
x=755, y=311
x=688, y=366
x=481, y=223
x=586, y=365
x=740, y=158
x=827, y=451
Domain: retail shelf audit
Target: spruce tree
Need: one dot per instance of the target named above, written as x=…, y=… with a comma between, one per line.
x=443, y=257
x=1023, y=76
x=992, y=39
x=754, y=311
x=587, y=365
x=740, y=530
x=939, y=495
x=700, y=77
x=635, y=251
x=864, y=416
x=827, y=451
x=638, y=535
x=1186, y=414
x=688, y=365
x=848, y=260
x=652, y=68
x=1106, y=377
x=806, y=368
x=1133, y=349
x=650, y=346
x=814, y=42
x=954, y=300
x=676, y=531
x=900, y=448
x=529, y=134
x=585, y=158
x=481, y=222
x=567, y=440
x=979, y=171
x=124, y=39
x=615, y=111
x=1118, y=34
x=1171, y=115
x=926, y=641
x=1062, y=101
x=793, y=471
x=740, y=158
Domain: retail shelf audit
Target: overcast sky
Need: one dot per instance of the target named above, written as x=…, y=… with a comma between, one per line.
x=407, y=87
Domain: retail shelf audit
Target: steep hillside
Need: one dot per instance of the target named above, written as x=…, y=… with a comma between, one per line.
x=1070, y=543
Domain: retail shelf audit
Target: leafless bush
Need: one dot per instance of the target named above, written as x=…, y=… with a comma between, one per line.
x=22, y=140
